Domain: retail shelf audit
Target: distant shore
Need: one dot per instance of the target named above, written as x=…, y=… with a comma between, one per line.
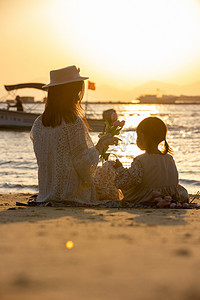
x=122, y=102
x=145, y=103
x=139, y=254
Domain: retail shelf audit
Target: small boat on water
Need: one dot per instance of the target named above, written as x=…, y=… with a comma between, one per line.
x=10, y=119
x=168, y=99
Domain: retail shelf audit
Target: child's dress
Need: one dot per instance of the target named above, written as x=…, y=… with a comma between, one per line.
x=148, y=173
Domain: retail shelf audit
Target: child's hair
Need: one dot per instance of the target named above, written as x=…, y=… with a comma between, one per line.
x=154, y=129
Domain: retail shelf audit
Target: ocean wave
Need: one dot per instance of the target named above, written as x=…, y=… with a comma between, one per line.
x=5, y=162
x=188, y=127
x=171, y=127
x=190, y=182
x=18, y=186
x=18, y=165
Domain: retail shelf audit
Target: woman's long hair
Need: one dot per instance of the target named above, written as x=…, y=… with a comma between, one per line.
x=154, y=130
x=64, y=103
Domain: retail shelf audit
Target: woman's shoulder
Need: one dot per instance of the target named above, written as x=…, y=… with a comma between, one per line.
x=76, y=124
x=79, y=121
x=38, y=121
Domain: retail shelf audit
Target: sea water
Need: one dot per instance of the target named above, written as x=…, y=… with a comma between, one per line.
x=18, y=167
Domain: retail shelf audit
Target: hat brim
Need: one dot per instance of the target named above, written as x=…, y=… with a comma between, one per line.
x=59, y=83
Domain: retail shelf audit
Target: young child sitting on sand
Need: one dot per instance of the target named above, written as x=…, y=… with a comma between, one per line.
x=152, y=178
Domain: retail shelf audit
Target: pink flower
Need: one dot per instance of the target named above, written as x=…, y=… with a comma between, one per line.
x=173, y=205
x=122, y=123
x=116, y=123
x=113, y=116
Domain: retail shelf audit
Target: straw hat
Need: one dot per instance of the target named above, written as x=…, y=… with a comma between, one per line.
x=65, y=75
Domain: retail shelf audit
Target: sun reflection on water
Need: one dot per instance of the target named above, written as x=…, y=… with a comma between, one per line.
x=135, y=113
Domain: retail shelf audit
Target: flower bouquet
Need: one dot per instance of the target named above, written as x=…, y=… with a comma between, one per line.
x=114, y=127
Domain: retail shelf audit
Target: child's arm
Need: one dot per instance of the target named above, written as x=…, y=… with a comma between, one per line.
x=127, y=178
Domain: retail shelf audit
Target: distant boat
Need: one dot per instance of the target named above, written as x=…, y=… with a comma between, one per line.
x=154, y=99
x=24, y=120
x=168, y=99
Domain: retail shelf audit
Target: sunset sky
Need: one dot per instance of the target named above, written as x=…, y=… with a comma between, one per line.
x=117, y=43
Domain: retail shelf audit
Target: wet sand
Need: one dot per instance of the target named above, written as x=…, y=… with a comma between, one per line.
x=138, y=254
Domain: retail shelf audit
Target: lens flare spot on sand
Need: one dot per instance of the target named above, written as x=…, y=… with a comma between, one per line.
x=69, y=245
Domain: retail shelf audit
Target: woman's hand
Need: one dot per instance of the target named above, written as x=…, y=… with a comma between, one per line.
x=105, y=141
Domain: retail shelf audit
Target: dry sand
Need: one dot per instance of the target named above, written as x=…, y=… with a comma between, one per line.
x=118, y=253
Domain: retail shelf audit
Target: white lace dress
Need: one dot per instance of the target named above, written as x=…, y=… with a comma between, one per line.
x=67, y=160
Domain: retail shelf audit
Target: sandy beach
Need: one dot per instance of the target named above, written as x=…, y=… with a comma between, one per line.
x=117, y=253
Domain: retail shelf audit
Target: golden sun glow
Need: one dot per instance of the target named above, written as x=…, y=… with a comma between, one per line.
x=117, y=43
x=147, y=39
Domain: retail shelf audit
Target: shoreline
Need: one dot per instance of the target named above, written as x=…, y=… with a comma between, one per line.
x=139, y=254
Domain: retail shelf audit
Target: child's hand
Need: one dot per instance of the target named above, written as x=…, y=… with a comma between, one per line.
x=117, y=164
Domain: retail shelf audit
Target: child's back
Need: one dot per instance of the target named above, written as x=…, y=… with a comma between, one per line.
x=152, y=171
x=159, y=174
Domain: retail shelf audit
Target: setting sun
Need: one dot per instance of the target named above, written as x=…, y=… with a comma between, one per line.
x=143, y=39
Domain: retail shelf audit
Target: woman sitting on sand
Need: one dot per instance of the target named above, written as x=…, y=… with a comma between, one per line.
x=152, y=177
x=66, y=156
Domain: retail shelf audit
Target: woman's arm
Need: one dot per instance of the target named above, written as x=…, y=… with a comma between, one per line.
x=127, y=178
x=85, y=155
